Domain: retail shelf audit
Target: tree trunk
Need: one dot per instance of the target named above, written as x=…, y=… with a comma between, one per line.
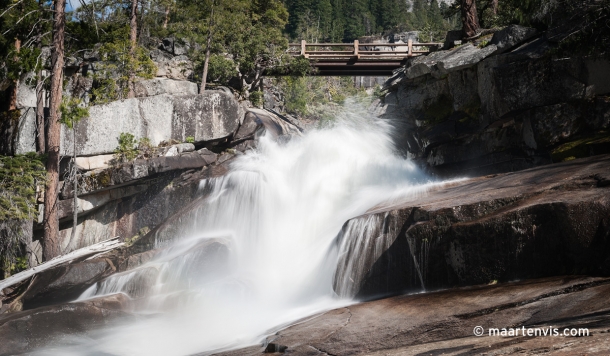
x=51, y=246
x=40, y=127
x=133, y=38
x=470, y=20
x=13, y=95
x=204, y=75
x=75, y=184
x=166, y=20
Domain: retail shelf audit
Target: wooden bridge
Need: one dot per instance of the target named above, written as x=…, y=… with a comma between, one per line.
x=366, y=59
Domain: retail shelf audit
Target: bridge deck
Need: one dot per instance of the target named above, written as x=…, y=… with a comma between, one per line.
x=367, y=59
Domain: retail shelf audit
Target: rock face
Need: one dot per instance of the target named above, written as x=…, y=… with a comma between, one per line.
x=471, y=110
x=540, y=222
x=120, y=201
x=211, y=116
x=511, y=36
x=160, y=86
x=65, y=283
x=442, y=323
x=208, y=117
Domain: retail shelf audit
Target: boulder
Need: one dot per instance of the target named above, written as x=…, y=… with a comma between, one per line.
x=65, y=283
x=167, y=45
x=26, y=331
x=274, y=123
x=181, y=48
x=168, y=66
x=440, y=63
x=540, y=222
x=510, y=37
x=247, y=129
x=463, y=57
x=211, y=116
x=159, y=86
x=176, y=150
x=208, y=156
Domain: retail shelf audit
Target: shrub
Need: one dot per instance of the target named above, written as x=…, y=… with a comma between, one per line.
x=256, y=98
x=126, y=151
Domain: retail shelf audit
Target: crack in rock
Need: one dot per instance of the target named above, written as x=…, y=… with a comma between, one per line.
x=567, y=290
x=321, y=351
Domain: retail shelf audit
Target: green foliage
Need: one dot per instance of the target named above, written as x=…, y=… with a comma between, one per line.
x=305, y=96
x=19, y=177
x=145, y=148
x=296, y=95
x=190, y=139
x=17, y=63
x=126, y=151
x=293, y=66
x=118, y=67
x=246, y=36
x=22, y=21
x=106, y=90
x=340, y=20
x=220, y=68
x=72, y=111
x=256, y=98
x=21, y=263
x=378, y=92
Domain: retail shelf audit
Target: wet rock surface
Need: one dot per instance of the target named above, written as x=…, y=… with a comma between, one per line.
x=442, y=323
x=24, y=332
x=65, y=283
x=545, y=221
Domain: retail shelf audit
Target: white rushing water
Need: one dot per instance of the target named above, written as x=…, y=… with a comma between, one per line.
x=263, y=251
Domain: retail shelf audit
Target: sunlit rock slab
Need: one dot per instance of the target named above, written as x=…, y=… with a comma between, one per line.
x=442, y=323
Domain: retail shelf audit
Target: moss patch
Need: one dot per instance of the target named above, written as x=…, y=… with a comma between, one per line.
x=580, y=148
x=439, y=110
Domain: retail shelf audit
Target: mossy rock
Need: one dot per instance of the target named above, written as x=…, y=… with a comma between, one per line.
x=438, y=111
x=583, y=147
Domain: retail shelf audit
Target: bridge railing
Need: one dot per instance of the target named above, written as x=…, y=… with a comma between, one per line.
x=399, y=50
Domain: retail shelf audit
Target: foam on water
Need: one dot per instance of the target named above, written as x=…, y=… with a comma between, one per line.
x=264, y=250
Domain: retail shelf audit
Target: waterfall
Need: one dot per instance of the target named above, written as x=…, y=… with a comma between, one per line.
x=263, y=248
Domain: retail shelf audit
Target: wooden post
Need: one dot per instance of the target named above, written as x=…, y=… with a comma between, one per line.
x=410, y=44
x=304, y=49
x=356, y=49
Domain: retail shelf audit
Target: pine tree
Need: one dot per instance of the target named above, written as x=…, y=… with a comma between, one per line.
x=420, y=14
x=51, y=246
x=337, y=31
x=324, y=11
